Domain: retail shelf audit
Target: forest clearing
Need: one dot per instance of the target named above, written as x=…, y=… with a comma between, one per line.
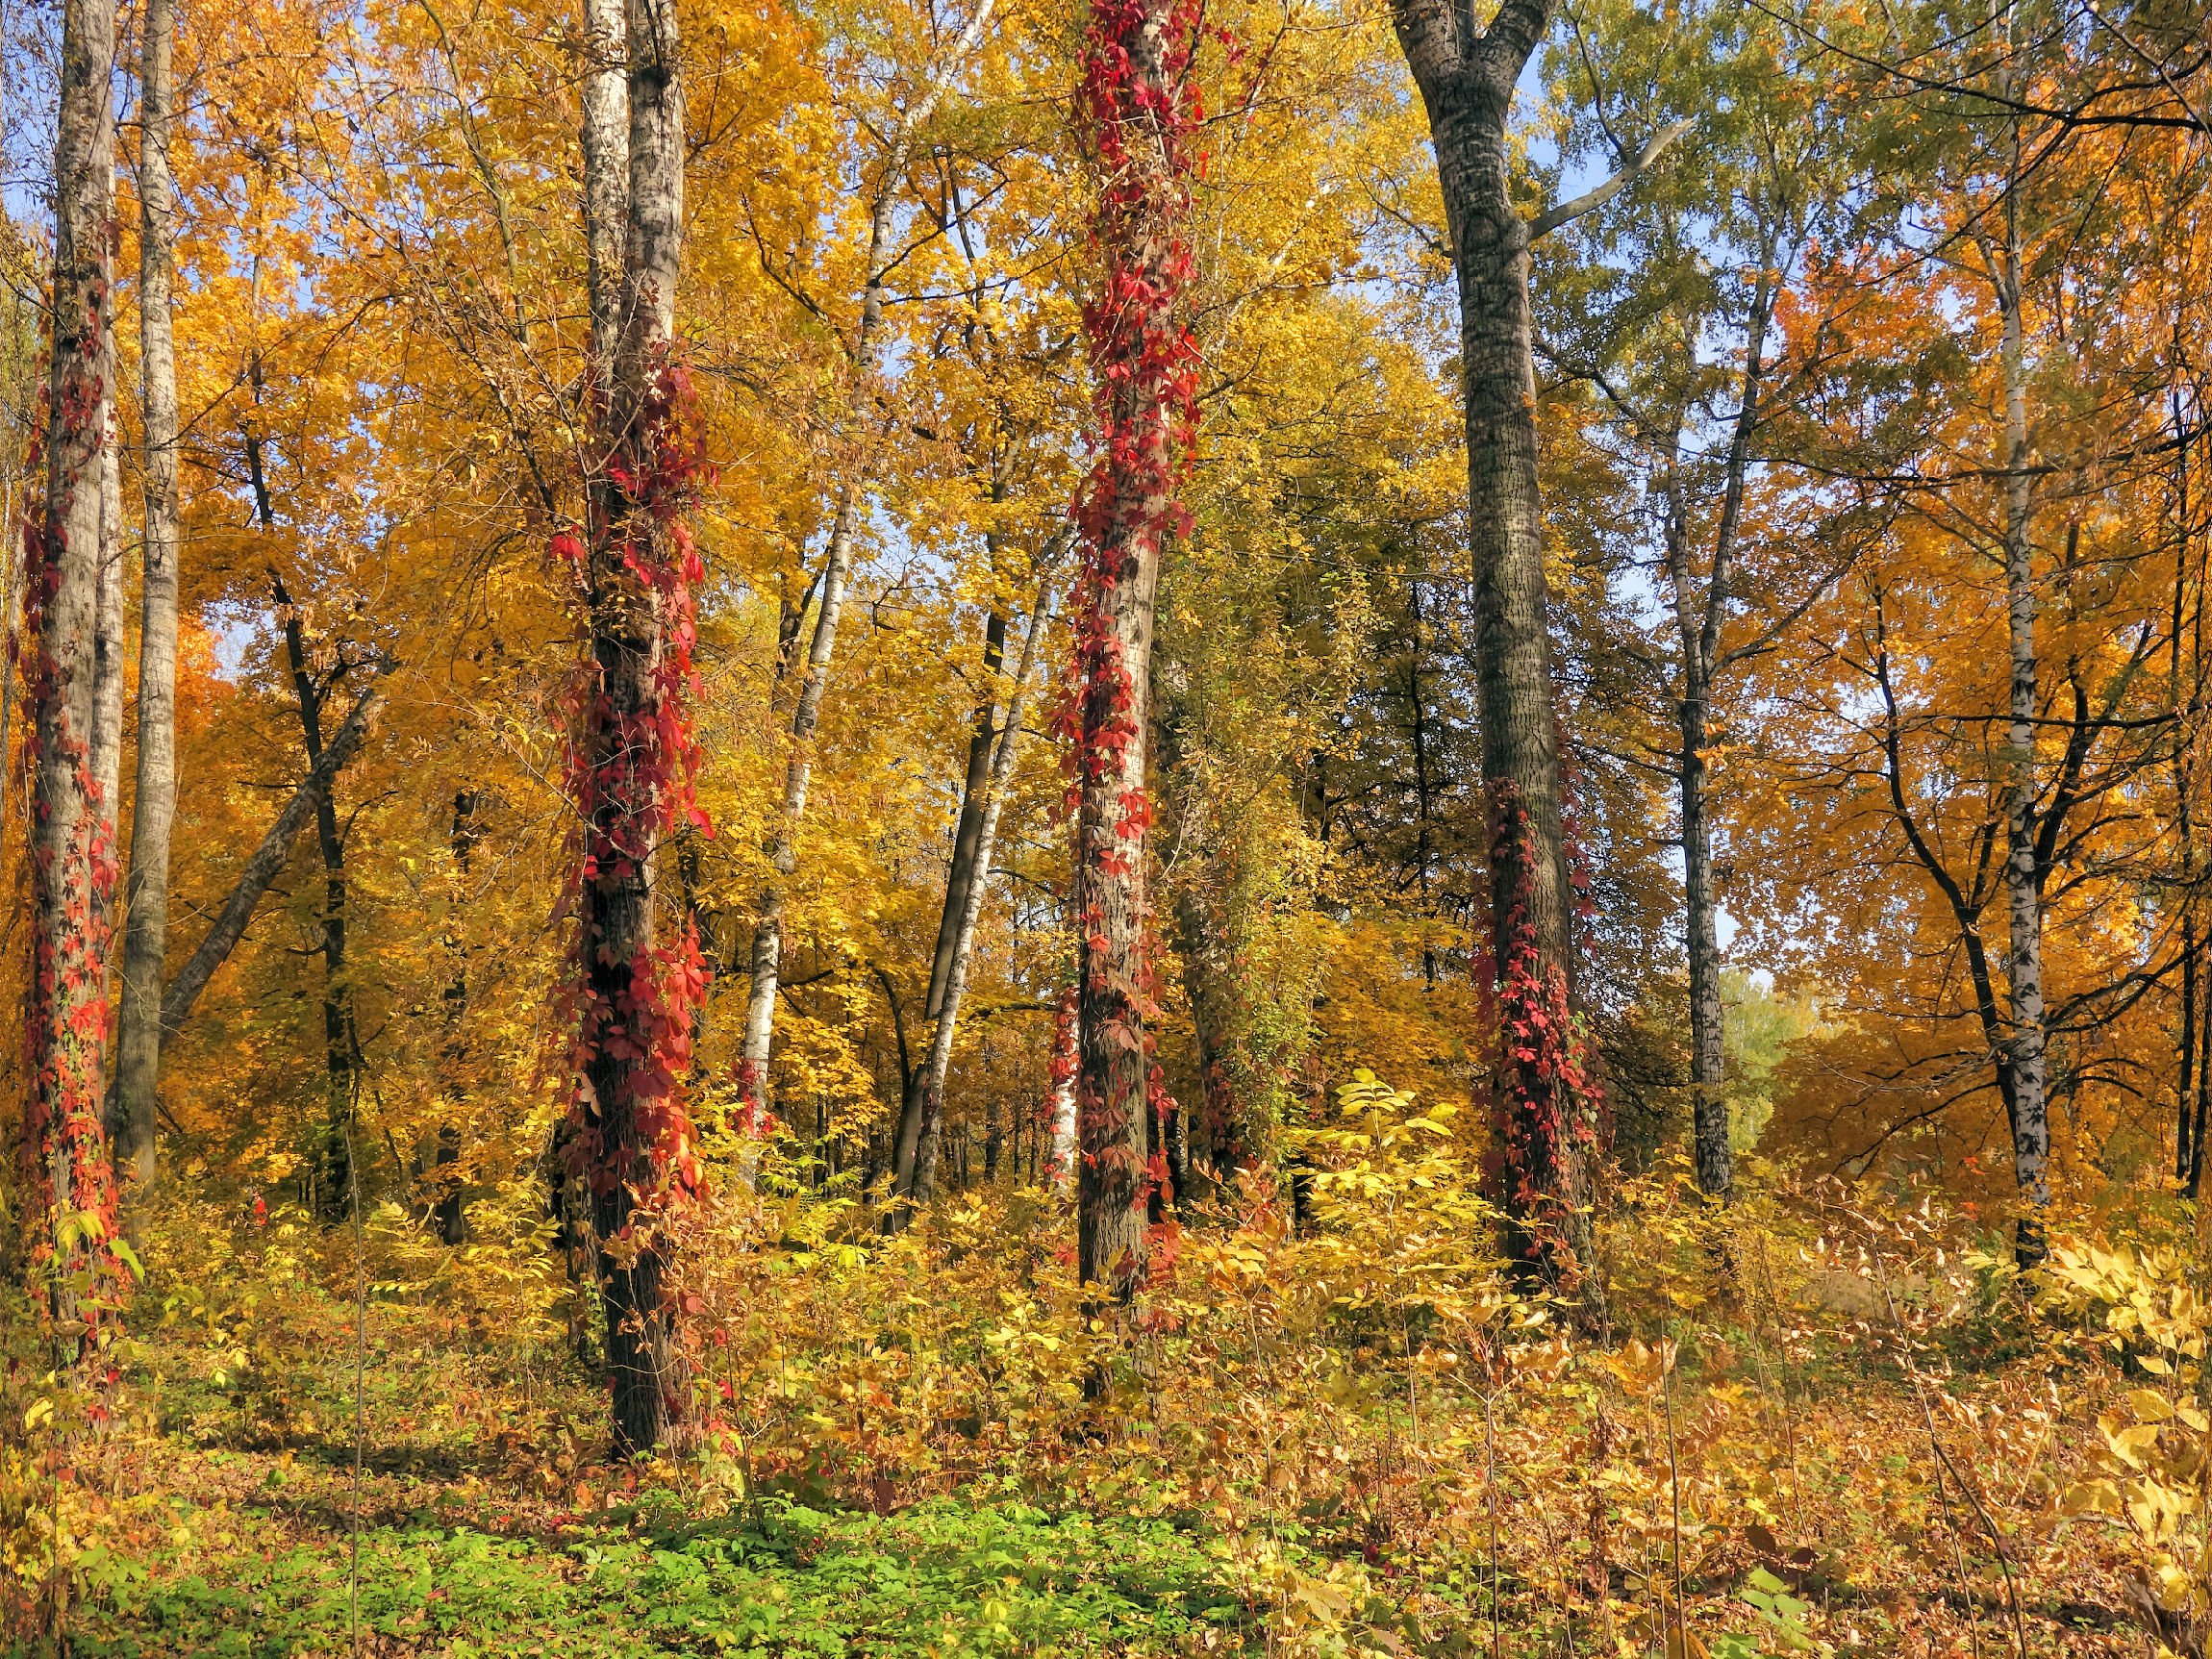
x=1155, y=827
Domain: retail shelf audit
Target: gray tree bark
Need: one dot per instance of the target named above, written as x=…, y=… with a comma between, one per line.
x=606, y=145
x=108, y=634
x=959, y=874
x=335, y=1186
x=153, y=810
x=261, y=866
x=1467, y=83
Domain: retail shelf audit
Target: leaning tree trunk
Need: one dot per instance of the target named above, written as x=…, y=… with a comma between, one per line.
x=1547, y=1103
x=1137, y=118
x=73, y=867
x=923, y=1185
x=2026, y=1035
x=153, y=809
x=632, y=769
x=960, y=875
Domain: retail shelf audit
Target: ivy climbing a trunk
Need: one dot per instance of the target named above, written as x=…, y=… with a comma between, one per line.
x=73, y=866
x=1547, y=1105
x=1138, y=114
x=632, y=760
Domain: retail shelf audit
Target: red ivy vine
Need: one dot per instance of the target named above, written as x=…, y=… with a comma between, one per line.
x=632, y=765
x=65, y=1020
x=1545, y=1100
x=1138, y=111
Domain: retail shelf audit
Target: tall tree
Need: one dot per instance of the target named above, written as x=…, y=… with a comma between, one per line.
x=153, y=811
x=1545, y=1100
x=73, y=867
x=635, y=757
x=1138, y=120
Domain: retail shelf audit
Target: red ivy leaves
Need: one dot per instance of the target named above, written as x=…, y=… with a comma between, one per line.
x=65, y=1020
x=1139, y=112
x=632, y=766
x=1546, y=1102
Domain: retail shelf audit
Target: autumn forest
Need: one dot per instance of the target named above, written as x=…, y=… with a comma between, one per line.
x=1147, y=827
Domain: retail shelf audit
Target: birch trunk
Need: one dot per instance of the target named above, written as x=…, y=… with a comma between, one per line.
x=153, y=809
x=2026, y=1037
x=606, y=145
x=107, y=757
x=959, y=876
x=631, y=1167
x=73, y=869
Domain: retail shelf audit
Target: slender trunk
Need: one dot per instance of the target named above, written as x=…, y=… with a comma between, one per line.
x=960, y=875
x=153, y=809
x=1699, y=627
x=335, y=1196
x=2196, y=1179
x=2185, y=1053
x=73, y=867
x=2185, y=1049
x=993, y=798
x=1548, y=1126
x=767, y=953
x=967, y=834
x=443, y=1211
x=1709, y=1103
x=606, y=146
x=1423, y=852
x=1059, y=1105
x=1137, y=122
x=107, y=747
x=633, y=765
x=2022, y=871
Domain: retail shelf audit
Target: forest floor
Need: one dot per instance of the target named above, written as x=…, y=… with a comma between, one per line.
x=219, y=1509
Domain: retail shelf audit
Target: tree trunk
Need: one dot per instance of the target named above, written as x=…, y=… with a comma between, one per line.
x=959, y=875
x=153, y=810
x=73, y=867
x=444, y=1212
x=768, y=951
x=996, y=785
x=1138, y=120
x=1698, y=626
x=634, y=762
x=606, y=145
x=335, y=1186
x=1547, y=1119
x=107, y=748
x=2023, y=869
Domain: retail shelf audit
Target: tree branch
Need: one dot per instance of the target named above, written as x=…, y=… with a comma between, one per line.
x=1544, y=223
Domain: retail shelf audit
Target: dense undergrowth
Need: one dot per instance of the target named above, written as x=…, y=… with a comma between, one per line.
x=1825, y=1422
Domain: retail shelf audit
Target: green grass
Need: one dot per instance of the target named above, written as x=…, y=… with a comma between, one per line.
x=944, y=1577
